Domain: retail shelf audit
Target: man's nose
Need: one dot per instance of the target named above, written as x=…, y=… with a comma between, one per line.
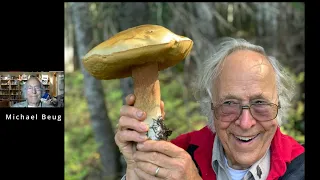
x=246, y=121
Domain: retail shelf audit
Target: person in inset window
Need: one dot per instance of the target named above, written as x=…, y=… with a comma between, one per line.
x=32, y=91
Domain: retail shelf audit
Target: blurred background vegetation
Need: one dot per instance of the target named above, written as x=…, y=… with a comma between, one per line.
x=92, y=106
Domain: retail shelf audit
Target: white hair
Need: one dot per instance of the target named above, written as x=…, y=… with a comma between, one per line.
x=211, y=69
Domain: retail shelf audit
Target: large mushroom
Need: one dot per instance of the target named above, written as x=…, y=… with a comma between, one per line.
x=140, y=52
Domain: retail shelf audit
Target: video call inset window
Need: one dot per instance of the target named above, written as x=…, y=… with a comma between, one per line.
x=32, y=89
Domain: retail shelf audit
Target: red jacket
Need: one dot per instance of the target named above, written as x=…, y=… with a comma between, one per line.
x=199, y=144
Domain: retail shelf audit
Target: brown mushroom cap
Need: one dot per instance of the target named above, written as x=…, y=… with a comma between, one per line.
x=114, y=58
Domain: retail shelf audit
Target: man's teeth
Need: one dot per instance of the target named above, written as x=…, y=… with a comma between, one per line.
x=244, y=138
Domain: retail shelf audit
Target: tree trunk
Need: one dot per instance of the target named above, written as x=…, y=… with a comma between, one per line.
x=102, y=127
x=126, y=85
x=76, y=59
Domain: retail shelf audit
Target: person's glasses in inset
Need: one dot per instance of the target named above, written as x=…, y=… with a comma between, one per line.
x=31, y=88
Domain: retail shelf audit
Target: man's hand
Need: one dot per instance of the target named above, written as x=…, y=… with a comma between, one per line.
x=131, y=129
x=173, y=162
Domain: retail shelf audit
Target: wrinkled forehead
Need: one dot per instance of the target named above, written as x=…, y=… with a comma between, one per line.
x=245, y=74
x=247, y=64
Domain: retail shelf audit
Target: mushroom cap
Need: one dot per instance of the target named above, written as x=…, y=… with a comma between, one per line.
x=115, y=57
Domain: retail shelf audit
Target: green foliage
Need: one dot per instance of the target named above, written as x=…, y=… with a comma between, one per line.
x=294, y=126
x=75, y=95
x=298, y=5
x=113, y=99
x=80, y=149
x=80, y=146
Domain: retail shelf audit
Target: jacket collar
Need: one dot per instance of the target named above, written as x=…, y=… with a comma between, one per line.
x=283, y=150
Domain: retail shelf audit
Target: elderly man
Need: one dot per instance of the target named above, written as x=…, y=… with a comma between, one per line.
x=246, y=96
x=32, y=91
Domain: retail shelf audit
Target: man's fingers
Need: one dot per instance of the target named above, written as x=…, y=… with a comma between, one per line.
x=145, y=176
x=163, y=147
x=155, y=158
x=126, y=135
x=130, y=99
x=132, y=112
x=151, y=169
x=133, y=124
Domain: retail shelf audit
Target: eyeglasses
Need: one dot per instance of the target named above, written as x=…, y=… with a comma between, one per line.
x=259, y=111
x=31, y=88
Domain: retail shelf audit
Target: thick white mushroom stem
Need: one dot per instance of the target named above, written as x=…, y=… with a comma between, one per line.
x=147, y=92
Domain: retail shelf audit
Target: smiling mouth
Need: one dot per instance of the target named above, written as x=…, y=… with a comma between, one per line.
x=245, y=139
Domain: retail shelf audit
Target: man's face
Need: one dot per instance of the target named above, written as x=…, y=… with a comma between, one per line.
x=33, y=91
x=246, y=78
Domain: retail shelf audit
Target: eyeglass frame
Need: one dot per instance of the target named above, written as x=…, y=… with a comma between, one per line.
x=246, y=107
x=31, y=88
